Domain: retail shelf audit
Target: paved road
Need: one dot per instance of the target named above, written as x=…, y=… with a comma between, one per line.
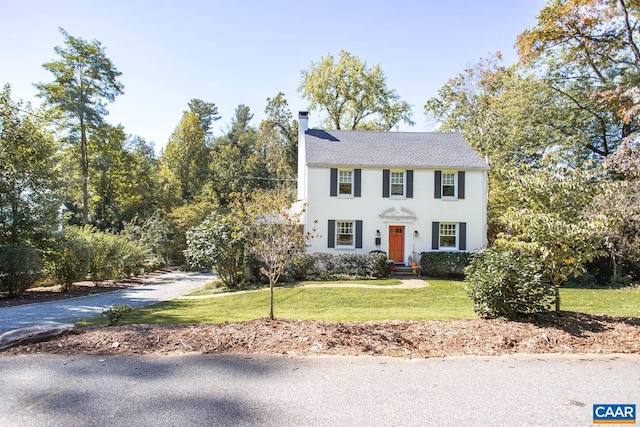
x=193, y=390
x=163, y=288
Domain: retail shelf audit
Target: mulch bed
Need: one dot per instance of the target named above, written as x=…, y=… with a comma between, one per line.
x=563, y=332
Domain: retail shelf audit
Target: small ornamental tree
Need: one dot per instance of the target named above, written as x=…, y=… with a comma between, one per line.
x=549, y=224
x=274, y=234
x=564, y=247
x=218, y=244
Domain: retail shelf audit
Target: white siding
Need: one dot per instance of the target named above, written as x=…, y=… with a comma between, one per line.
x=368, y=208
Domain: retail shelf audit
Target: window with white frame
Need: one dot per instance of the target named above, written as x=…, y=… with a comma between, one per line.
x=344, y=233
x=448, y=184
x=345, y=183
x=397, y=183
x=448, y=233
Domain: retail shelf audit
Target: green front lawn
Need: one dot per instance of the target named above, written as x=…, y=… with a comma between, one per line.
x=614, y=302
x=442, y=299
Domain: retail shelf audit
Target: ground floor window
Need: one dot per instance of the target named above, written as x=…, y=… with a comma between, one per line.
x=448, y=234
x=344, y=233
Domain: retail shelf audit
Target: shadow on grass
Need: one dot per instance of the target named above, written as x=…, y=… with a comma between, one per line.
x=576, y=324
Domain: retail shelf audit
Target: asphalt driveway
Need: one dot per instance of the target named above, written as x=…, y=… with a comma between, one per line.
x=162, y=288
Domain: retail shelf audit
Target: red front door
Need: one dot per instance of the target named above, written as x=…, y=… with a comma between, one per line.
x=396, y=243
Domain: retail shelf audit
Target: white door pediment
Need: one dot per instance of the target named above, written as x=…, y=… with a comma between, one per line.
x=398, y=214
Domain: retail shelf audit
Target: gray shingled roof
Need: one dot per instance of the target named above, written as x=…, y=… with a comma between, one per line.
x=411, y=149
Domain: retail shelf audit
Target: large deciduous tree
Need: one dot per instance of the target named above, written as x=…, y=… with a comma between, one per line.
x=238, y=164
x=29, y=177
x=278, y=135
x=125, y=182
x=510, y=116
x=354, y=95
x=84, y=81
x=588, y=51
x=186, y=157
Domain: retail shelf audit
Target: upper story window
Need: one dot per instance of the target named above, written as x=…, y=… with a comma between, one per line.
x=397, y=183
x=345, y=183
x=448, y=184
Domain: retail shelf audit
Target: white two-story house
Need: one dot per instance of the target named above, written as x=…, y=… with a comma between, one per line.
x=399, y=192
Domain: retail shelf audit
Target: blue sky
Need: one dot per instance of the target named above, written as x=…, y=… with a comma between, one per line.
x=241, y=52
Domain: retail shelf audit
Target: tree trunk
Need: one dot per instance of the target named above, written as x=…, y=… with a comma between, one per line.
x=14, y=218
x=271, y=286
x=85, y=172
x=557, y=288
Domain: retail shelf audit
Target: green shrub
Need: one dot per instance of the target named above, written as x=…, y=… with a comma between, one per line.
x=20, y=267
x=507, y=282
x=70, y=258
x=157, y=235
x=253, y=266
x=218, y=244
x=113, y=257
x=444, y=264
x=116, y=313
x=301, y=264
x=327, y=266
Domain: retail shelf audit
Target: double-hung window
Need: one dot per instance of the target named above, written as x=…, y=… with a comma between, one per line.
x=448, y=234
x=345, y=183
x=448, y=184
x=344, y=233
x=397, y=184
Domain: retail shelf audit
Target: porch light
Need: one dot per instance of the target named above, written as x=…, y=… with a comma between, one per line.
x=377, y=233
x=415, y=233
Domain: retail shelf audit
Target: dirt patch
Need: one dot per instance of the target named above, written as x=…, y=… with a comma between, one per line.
x=557, y=333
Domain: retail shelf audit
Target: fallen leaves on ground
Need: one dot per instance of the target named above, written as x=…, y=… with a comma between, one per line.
x=553, y=333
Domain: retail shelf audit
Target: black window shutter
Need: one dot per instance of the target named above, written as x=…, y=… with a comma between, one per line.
x=461, y=185
x=435, y=236
x=358, y=234
x=357, y=182
x=462, y=238
x=437, y=178
x=386, y=176
x=409, y=184
x=333, y=189
x=331, y=234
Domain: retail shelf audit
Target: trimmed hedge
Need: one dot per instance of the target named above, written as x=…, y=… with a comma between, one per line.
x=326, y=266
x=444, y=265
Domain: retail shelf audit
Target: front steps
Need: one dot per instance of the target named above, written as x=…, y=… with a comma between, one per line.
x=403, y=272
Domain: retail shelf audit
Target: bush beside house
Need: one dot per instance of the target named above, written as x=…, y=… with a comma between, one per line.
x=445, y=265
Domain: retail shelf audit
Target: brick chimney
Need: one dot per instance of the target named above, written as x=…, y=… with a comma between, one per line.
x=303, y=126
